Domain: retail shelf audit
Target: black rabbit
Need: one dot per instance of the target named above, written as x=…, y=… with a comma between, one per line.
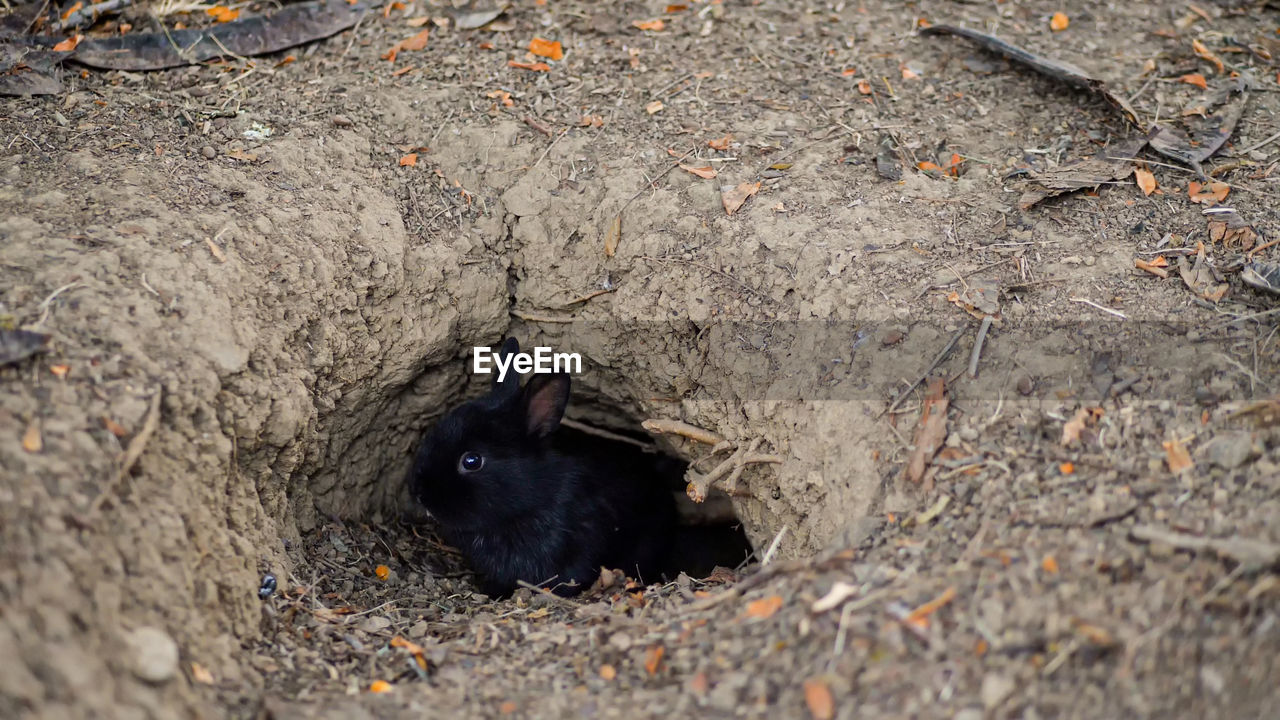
x=519, y=509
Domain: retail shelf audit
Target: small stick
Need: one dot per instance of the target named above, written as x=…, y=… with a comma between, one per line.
x=977, y=346
x=550, y=595
x=543, y=156
x=531, y=122
x=1095, y=305
x=662, y=426
x=606, y=434
x=773, y=547
x=134, y=451
x=655, y=180
x=925, y=375
x=536, y=317
x=588, y=296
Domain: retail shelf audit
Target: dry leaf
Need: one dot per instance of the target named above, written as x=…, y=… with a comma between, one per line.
x=928, y=166
x=418, y=21
x=591, y=121
x=223, y=14
x=380, y=686
x=74, y=7
x=839, y=592
x=653, y=107
x=735, y=197
x=1213, y=193
x=410, y=160
x=417, y=42
x=114, y=427
x=721, y=143
x=382, y=571
x=549, y=49
x=1195, y=79
x=534, y=66
x=31, y=440
x=201, y=674
x=671, y=9
x=864, y=87
x=908, y=73
x=699, y=684
x=60, y=371
x=764, y=607
x=1059, y=22
x=705, y=173
x=930, y=433
x=920, y=616
x=1146, y=180
x=1049, y=565
x=817, y=695
x=507, y=707
x=1207, y=54
x=1074, y=428
x=653, y=659
x=608, y=672
x=69, y=44
x=654, y=25
x=1177, y=456
x=614, y=236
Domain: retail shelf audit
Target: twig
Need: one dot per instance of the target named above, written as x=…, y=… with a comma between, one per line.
x=773, y=546
x=977, y=346
x=924, y=376
x=536, y=317
x=92, y=12
x=44, y=304
x=655, y=180
x=133, y=452
x=1255, y=553
x=588, y=296
x=1258, y=144
x=661, y=426
x=606, y=434
x=1096, y=306
x=543, y=156
x=550, y=595
x=533, y=123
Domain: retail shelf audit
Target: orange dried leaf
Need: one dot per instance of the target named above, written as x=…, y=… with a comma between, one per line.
x=70, y=43
x=735, y=197
x=764, y=607
x=534, y=66
x=286, y=60
x=114, y=427
x=1049, y=565
x=1160, y=261
x=409, y=160
x=31, y=440
x=705, y=173
x=654, y=25
x=1207, y=54
x=654, y=659
x=60, y=370
x=653, y=107
x=1067, y=468
x=380, y=686
x=671, y=9
x=507, y=707
x=386, y=9
x=848, y=72
x=1177, y=457
x=908, y=73
x=817, y=695
x=223, y=14
x=920, y=616
x=721, y=143
x=1059, y=22
x=928, y=166
x=78, y=4
x=382, y=571
x=608, y=672
x=552, y=50
x=417, y=42
x=1146, y=180
x=1195, y=79
x=1215, y=192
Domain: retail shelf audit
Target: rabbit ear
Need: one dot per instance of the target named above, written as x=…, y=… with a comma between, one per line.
x=545, y=397
x=509, y=387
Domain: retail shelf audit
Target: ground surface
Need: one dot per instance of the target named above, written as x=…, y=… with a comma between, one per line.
x=304, y=299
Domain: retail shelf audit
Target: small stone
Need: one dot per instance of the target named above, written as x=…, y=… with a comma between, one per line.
x=1193, y=336
x=995, y=689
x=375, y=623
x=208, y=152
x=153, y=653
x=1231, y=450
x=969, y=714
x=1089, y=260
x=901, y=313
x=1025, y=384
x=893, y=337
x=621, y=641
x=1072, y=260
x=341, y=121
x=1212, y=679
x=419, y=630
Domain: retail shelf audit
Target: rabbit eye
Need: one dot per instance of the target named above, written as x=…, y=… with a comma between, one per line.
x=470, y=462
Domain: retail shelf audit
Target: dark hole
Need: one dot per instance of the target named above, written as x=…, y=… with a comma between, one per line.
x=707, y=534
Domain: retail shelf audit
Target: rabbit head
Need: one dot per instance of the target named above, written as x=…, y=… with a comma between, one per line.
x=479, y=467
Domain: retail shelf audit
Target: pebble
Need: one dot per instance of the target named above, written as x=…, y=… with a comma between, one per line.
x=1089, y=260
x=1231, y=450
x=208, y=152
x=995, y=688
x=622, y=641
x=375, y=623
x=1025, y=385
x=153, y=653
x=341, y=121
x=893, y=337
x=1072, y=260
